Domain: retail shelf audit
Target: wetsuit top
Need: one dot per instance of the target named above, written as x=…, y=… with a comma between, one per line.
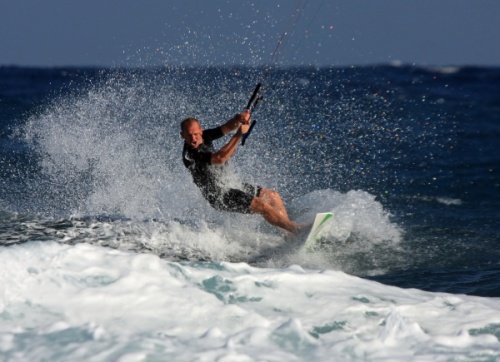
x=198, y=162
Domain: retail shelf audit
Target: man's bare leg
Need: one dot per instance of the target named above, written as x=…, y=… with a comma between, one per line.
x=272, y=215
x=274, y=199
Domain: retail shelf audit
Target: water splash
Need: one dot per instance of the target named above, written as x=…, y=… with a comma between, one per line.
x=112, y=147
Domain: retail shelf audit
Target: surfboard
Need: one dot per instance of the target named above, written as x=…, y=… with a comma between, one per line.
x=314, y=235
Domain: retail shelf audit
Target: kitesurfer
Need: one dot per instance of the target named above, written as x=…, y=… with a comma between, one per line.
x=208, y=169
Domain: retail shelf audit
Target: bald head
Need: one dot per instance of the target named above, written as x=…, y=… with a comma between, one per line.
x=192, y=132
x=188, y=122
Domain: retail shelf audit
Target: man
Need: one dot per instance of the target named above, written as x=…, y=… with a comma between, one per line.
x=207, y=168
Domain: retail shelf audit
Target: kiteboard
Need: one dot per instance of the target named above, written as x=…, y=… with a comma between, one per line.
x=315, y=234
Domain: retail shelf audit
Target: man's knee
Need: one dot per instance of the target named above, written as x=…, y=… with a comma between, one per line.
x=259, y=205
x=269, y=194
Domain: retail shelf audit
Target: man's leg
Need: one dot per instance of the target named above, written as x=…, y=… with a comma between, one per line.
x=274, y=199
x=268, y=204
x=273, y=215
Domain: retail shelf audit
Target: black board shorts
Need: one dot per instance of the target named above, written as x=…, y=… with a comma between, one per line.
x=235, y=200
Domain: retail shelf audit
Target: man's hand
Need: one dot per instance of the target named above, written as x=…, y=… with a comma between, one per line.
x=239, y=120
x=243, y=117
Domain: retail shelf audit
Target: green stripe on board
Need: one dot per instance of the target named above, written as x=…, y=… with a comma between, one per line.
x=327, y=216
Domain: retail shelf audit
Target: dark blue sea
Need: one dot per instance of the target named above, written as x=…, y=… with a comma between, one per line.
x=407, y=158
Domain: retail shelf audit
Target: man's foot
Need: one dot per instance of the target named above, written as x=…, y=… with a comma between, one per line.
x=301, y=230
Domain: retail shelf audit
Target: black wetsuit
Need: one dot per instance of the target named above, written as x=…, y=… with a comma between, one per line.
x=207, y=176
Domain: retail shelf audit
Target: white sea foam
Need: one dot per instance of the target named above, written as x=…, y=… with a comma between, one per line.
x=446, y=70
x=84, y=302
x=448, y=201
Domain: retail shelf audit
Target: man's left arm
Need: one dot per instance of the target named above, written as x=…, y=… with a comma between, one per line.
x=235, y=122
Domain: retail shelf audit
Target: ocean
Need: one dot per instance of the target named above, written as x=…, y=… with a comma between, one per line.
x=108, y=251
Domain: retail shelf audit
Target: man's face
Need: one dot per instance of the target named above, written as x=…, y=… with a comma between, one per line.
x=192, y=134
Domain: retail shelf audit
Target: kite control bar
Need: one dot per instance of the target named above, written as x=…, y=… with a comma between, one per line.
x=252, y=104
x=255, y=98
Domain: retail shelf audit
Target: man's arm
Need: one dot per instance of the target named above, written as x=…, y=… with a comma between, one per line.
x=225, y=153
x=241, y=122
x=235, y=122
